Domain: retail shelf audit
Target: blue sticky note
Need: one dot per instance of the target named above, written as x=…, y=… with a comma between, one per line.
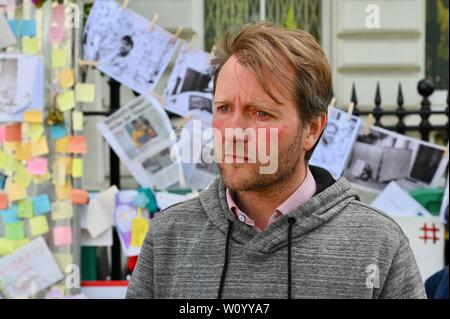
x=41, y=204
x=14, y=26
x=29, y=28
x=2, y=180
x=10, y=215
x=57, y=131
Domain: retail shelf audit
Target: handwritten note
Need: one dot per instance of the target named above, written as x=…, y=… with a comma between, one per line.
x=15, y=191
x=77, y=144
x=80, y=197
x=62, y=145
x=40, y=147
x=13, y=133
x=10, y=215
x=62, y=210
x=41, y=204
x=59, y=58
x=14, y=231
x=66, y=100
x=25, y=208
x=32, y=116
x=66, y=78
x=34, y=132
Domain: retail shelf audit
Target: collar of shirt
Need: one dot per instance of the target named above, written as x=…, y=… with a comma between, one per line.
x=300, y=196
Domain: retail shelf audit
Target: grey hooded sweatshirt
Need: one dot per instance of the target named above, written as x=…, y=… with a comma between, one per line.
x=333, y=246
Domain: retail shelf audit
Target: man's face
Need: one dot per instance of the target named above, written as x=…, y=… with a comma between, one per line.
x=240, y=102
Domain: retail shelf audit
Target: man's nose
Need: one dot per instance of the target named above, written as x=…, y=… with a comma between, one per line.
x=239, y=124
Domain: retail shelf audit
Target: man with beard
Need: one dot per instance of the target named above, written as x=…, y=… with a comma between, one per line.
x=288, y=232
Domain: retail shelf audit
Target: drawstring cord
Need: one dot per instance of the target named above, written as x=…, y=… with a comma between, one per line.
x=291, y=221
x=225, y=263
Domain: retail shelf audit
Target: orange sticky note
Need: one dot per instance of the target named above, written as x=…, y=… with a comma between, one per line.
x=62, y=144
x=80, y=197
x=63, y=192
x=13, y=133
x=24, y=151
x=66, y=78
x=77, y=144
x=4, y=200
x=32, y=116
x=40, y=147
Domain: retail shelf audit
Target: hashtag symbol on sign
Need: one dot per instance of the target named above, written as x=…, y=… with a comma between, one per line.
x=425, y=229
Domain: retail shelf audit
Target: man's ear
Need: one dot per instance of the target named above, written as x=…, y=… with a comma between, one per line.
x=313, y=131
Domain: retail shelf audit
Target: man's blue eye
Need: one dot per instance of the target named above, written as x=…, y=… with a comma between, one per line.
x=262, y=114
x=223, y=108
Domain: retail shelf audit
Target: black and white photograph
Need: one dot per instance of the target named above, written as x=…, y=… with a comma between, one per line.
x=189, y=88
x=383, y=156
x=131, y=52
x=335, y=145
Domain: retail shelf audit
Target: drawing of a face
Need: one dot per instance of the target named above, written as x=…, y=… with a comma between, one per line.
x=329, y=134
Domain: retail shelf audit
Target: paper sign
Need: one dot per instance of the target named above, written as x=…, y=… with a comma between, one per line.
x=28, y=270
x=62, y=235
x=41, y=204
x=13, y=133
x=426, y=239
x=38, y=166
x=85, y=92
x=59, y=58
x=77, y=167
x=30, y=45
x=29, y=28
x=4, y=201
x=62, y=210
x=14, y=231
x=25, y=208
x=57, y=131
x=80, y=197
x=77, y=144
x=66, y=100
x=66, y=78
x=38, y=225
x=33, y=116
x=77, y=121
x=9, y=215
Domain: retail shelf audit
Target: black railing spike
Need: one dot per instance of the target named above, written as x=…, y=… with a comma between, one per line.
x=354, y=99
x=400, y=100
x=378, y=95
x=377, y=111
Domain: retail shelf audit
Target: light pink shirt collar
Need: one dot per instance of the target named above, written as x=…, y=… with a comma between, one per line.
x=301, y=195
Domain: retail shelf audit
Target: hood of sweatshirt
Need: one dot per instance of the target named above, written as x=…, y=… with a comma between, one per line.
x=330, y=198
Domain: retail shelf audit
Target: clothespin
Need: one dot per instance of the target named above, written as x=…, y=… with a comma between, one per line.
x=191, y=43
x=176, y=35
x=446, y=151
x=124, y=4
x=368, y=124
x=153, y=22
x=160, y=98
x=87, y=63
x=351, y=106
x=332, y=104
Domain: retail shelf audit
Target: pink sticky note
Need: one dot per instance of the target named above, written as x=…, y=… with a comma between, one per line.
x=2, y=133
x=62, y=235
x=58, y=14
x=57, y=34
x=37, y=166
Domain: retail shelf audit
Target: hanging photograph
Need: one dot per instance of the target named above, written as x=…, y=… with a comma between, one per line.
x=383, y=156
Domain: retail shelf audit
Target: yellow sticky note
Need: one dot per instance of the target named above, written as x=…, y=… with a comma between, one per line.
x=38, y=225
x=138, y=231
x=30, y=45
x=40, y=179
x=10, y=147
x=63, y=260
x=62, y=210
x=66, y=78
x=40, y=147
x=32, y=116
x=6, y=247
x=59, y=173
x=62, y=144
x=77, y=121
x=34, y=132
x=3, y=158
x=10, y=165
x=85, y=92
x=15, y=191
x=66, y=100
x=67, y=161
x=22, y=177
x=19, y=243
x=59, y=58
x=77, y=167
x=63, y=192
x=24, y=151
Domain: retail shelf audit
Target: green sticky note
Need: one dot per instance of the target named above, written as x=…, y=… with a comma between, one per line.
x=25, y=208
x=59, y=58
x=14, y=231
x=85, y=92
x=38, y=225
x=30, y=45
x=66, y=100
x=6, y=247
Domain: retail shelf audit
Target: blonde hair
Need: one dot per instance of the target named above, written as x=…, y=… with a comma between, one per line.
x=293, y=58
